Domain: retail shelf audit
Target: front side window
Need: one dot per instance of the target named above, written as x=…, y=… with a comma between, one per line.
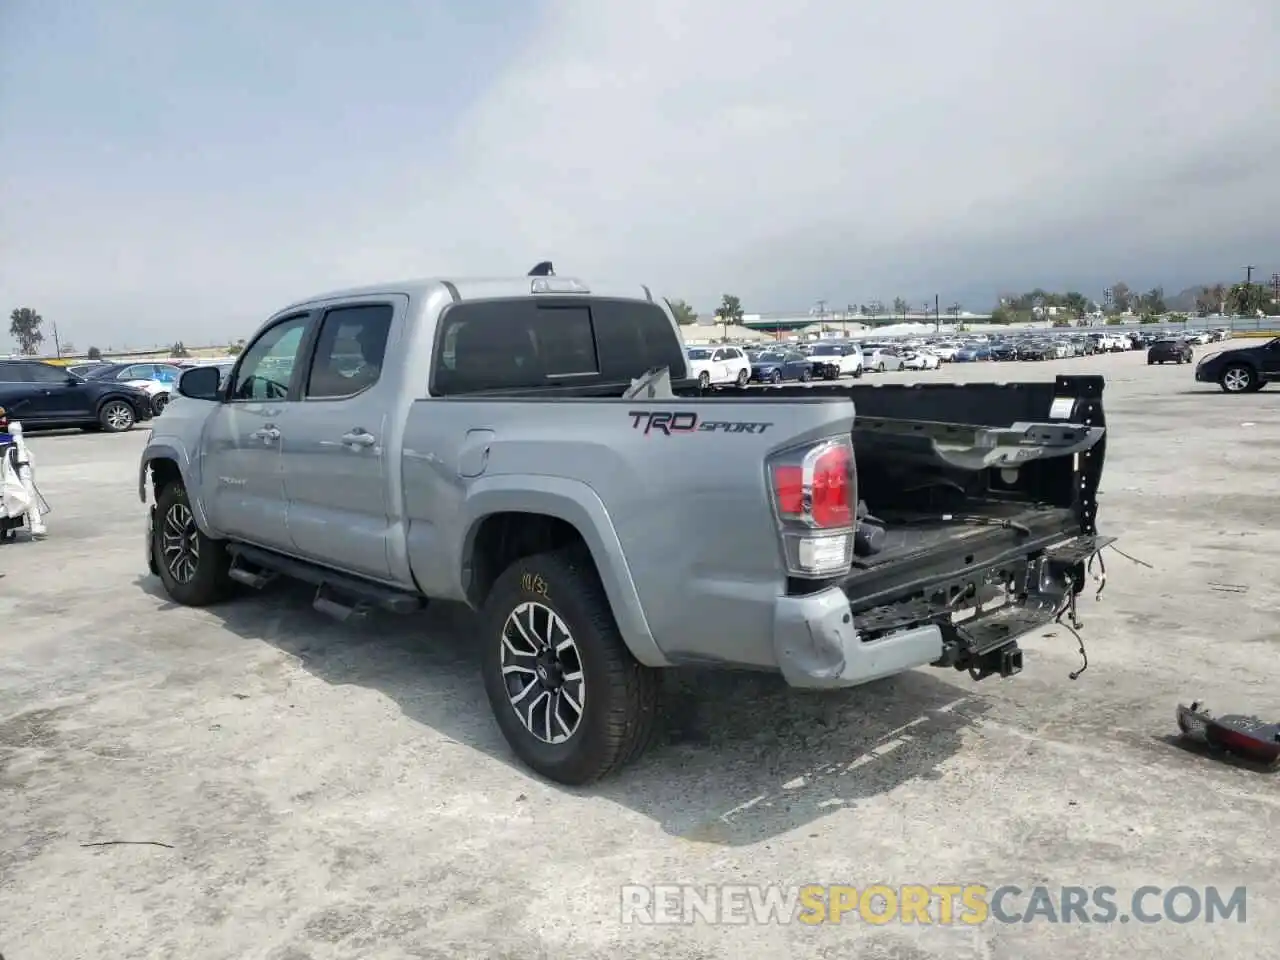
x=350, y=351
x=267, y=367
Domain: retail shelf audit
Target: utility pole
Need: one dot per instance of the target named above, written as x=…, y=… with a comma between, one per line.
x=1248, y=274
x=1275, y=286
x=937, y=314
x=57, y=344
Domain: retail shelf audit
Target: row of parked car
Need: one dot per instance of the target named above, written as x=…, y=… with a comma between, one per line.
x=97, y=395
x=741, y=363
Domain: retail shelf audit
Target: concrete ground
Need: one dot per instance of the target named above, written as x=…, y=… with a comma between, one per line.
x=329, y=791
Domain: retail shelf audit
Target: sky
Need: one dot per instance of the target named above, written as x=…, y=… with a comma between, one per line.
x=179, y=171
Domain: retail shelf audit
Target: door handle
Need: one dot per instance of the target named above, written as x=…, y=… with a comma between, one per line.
x=359, y=438
x=266, y=434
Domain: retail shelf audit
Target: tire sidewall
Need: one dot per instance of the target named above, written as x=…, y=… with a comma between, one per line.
x=105, y=423
x=1247, y=370
x=206, y=585
x=564, y=761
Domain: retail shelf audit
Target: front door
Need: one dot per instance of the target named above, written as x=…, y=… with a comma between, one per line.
x=336, y=469
x=1271, y=360
x=57, y=395
x=242, y=482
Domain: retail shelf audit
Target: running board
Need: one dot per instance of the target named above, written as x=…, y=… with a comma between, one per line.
x=338, y=595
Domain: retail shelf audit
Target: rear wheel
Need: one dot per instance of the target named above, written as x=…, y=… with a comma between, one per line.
x=704, y=380
x=744, y=375
x=158, y=403
x=857, y=371
x=116, y=416
x=880, y=367
x=806, y=375
x=775, y=377
x=192, y=566
x=570, y=699
x=1239, y=379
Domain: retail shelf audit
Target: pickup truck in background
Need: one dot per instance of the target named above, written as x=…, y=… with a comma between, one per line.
x=536, y=449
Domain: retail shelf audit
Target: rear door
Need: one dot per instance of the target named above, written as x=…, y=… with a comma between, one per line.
x=21, y=398
x=334, y=440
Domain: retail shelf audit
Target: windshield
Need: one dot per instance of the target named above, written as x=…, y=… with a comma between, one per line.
x=698, y=354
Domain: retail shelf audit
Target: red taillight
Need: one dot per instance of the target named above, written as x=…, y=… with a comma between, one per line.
x=825, y=475
x=832, y=472
x=788, y=484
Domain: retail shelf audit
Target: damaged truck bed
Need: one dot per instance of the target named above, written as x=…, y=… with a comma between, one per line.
x=977, y=523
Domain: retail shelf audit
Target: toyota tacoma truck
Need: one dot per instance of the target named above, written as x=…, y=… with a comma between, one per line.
x=535, y=448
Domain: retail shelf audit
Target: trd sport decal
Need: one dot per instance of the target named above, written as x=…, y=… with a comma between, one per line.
x=668, y=422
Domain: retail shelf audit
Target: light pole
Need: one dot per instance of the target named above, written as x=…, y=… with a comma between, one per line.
x=1248, y=273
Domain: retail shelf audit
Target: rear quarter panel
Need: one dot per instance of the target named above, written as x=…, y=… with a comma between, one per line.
x=679, y=522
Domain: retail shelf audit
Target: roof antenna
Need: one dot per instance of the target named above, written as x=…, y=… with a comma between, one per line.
x=543, y=269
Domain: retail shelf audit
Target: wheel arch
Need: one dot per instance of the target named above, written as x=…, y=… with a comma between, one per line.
x=163, y=464
x=515, y=516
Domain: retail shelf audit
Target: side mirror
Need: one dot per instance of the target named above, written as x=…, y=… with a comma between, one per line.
x=200, y=383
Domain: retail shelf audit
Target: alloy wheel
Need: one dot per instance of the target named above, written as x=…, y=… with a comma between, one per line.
x=542, y=671
x=1236, y=380
x=180, y=543
x=118, y=416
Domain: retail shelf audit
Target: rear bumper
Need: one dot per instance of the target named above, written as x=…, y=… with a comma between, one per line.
x=821, y=643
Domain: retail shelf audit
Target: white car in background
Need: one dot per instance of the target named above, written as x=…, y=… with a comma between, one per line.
x=945, y=351
x=718, y=366
x=846, y=356
x=920, y=360
x=880, y=357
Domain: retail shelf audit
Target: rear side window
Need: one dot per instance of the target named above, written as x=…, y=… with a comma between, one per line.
x=349, y=351
x=528, y=343
x=45, y=373
x=634, y=336
x=13, y=373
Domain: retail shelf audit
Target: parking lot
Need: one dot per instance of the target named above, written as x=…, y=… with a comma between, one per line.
x=341, y=791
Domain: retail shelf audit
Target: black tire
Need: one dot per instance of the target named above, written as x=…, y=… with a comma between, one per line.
x=744, y=377
x=208, y=582
x=704, y=380
x=1238, y=378
x=1151, y=363
x=619, y=696
x=775, y=377
x=117, y=416
x=880, y=367
x=857, y=371
x=158, y=403
x=806, y=375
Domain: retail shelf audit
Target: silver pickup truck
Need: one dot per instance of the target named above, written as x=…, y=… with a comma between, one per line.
x=516, y=445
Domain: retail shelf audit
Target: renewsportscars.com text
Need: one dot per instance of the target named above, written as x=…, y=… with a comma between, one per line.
x=929, y=904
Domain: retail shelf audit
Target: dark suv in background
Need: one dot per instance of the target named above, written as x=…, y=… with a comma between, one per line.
x=44, y=395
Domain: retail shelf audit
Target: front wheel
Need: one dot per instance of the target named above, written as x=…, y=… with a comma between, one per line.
x=192, y=566
x=775, y=377
x=880, y=367
x=569, y=697
x=116, y=416
x=1238, y=379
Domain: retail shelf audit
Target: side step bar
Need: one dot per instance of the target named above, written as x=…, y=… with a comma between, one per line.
x=337, y=595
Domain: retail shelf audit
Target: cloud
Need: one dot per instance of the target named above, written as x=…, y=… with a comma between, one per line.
x=783, y=152
x=809, y=149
